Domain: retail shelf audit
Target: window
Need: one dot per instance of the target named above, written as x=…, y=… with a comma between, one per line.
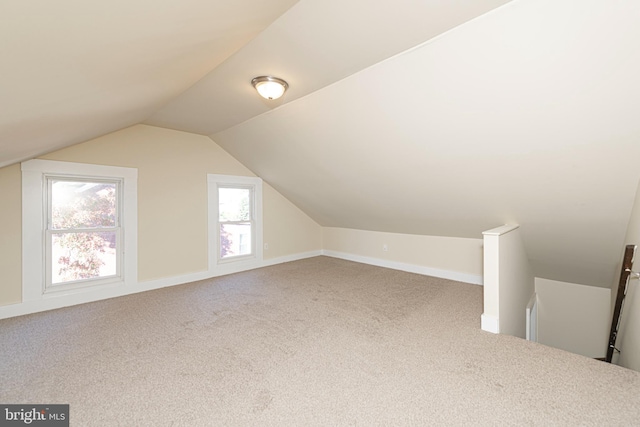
x=235, y=219
x=79, y=226
x=83, y=233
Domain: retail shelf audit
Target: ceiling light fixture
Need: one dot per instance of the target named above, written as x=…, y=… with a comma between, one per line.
x=269, y=87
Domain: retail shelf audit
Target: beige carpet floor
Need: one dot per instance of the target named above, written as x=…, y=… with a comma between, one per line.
x=317, y=342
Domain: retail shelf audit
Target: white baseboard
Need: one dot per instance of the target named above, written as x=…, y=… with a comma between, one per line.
x=411, y=268
x=98, y=294
x=52, y=302
x=289, y=258
x=106, y=292
x=490, y=323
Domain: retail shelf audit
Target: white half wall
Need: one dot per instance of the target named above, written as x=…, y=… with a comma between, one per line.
x=508, y=282
x=573, y=317
x=446, y=257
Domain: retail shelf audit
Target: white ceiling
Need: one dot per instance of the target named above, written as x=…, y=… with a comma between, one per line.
x=73, y=70
x=526, y=114
x=311, y=46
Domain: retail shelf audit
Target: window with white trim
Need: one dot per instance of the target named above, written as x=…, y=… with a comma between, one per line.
x=79, y=227
x=235, y=219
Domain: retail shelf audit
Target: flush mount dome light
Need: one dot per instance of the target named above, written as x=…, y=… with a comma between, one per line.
x=269, y=87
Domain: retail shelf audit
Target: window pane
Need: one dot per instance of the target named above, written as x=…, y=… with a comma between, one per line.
x=235, y=239
x=76, y=256
x=234, y=204
x=82, y=204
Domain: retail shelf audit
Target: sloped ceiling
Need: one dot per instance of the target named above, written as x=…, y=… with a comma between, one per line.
x=72, y=70
x=314, y=44
x=524, y=113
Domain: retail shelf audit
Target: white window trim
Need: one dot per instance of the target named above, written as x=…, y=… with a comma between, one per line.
x=232, y=264
x=34, y=207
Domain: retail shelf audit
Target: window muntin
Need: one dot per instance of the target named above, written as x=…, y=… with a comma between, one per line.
x=83, y=233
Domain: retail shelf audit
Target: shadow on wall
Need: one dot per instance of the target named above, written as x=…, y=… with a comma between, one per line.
x=573, y=317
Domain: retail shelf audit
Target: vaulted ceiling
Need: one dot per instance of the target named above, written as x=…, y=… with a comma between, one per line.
x=72, y=70
x=421, y=117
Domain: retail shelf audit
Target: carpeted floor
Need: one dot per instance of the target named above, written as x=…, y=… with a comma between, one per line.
x=317, y=342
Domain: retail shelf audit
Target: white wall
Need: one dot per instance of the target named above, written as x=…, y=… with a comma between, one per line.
x=629, y=334
x=447, y=257
x=508, y=281
x=172, y=198
x=573, y=317
x=11, y=241
x=172, y=206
